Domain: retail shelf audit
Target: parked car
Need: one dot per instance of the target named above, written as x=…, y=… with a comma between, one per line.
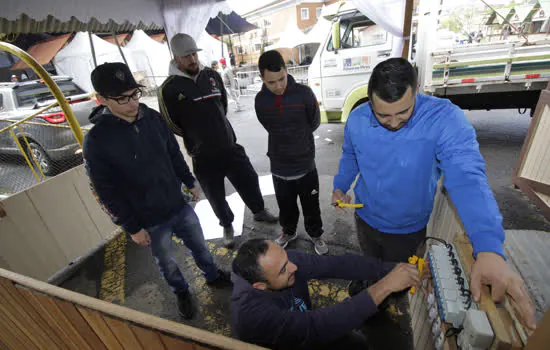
x=49, y=143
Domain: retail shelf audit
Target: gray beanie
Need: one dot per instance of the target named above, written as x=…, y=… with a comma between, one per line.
x=183, y=45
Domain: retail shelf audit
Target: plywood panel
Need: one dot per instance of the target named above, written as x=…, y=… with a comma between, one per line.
x=24, y=234
x=101, y=220
x=80, y=324
x=100, y=327
x=67, y=219
x=123, y=333
x=22, y=321
x=86, y=315
x=172, y=343
x=48, y=309
x=38, y=323
x=537, y=159
x=147, y=338
x=12, y=335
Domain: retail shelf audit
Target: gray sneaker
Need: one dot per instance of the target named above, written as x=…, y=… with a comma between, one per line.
x=228, y=236
x=321, y=248
x=284, y=239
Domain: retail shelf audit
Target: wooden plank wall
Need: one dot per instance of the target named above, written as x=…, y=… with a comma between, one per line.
x=51, y=224
x=444, y=223
x=37, y=315
x=535, y=166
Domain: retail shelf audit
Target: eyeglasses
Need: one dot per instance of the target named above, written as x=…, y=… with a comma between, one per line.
x=125, y=99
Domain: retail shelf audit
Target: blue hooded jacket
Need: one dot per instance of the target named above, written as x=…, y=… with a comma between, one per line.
x=399, y=170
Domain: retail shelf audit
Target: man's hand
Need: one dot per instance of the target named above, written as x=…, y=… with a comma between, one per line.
x=195, y=192
x=142, y=238
x=492, y=269
x=339, y=195
x=401, y=277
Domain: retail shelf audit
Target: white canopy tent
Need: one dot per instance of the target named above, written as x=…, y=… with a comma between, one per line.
x=75, y=59
x=150, y=57
x=292, y=37
x=211, y=49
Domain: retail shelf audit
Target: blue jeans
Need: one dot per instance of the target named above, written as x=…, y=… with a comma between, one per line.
x=186, y=226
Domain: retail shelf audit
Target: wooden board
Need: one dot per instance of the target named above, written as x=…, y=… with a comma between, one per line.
x=541, y=338
x=67, y=220
x=103, y=331
x=24, y=234
x=101, y=220
x=503, y=327
x=147, y=338
x=123, y=333
x=87, y=317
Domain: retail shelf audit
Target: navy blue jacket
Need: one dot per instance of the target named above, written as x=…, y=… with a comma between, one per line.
x=284, y=319
x=290, y=119
x=136, y=169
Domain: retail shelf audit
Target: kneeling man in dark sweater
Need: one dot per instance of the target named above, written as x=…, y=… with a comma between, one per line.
x=271, y=306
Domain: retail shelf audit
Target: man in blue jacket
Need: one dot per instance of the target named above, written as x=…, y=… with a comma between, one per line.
x=290, y=114
x=136, y=169
x=271, y=306
x=398, y=145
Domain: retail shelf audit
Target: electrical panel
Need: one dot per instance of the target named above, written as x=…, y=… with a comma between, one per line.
x=450, y=301
x=450, y=285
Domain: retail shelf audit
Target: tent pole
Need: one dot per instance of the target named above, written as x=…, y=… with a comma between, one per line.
x=93, y=49
x=409, y=8
x=221, y=31
x=119, y=48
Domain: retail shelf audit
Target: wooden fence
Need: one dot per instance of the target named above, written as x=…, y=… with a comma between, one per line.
x=38, y=315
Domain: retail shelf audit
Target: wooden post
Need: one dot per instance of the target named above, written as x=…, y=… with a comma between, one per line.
x=409, y=7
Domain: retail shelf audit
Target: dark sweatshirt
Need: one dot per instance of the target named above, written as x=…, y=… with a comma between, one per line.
x=285, y=320
x=196, y=110
x=136, y=169
x=290, y=119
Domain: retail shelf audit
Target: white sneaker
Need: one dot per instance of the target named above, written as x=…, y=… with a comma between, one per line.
x=284, y=239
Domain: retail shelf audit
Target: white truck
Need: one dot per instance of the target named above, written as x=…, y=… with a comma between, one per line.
x=480, y=76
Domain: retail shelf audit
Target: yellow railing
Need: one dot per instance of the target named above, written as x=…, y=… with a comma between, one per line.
x=21, y=140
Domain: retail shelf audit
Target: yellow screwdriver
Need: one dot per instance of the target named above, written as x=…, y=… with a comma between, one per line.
x=341, y=204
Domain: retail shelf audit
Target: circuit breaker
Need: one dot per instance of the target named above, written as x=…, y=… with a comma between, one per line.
x=452, y=291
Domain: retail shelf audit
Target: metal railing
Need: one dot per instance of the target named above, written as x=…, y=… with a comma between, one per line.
x=250, y=82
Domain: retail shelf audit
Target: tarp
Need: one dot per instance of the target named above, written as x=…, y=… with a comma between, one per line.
x=224, y=24
x=75, y=59
x=185, y=16
x=211, y=50
x=44, y=51
x=120, y=38
x=319, y=32
x=388, y=14
x=150, y=57
x=291, y=38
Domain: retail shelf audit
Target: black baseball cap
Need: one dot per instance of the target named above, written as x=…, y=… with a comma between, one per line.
x=113, y=79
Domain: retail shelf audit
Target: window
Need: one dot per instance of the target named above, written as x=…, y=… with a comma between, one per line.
x=257, y=47
x=360, y=34
x=318, y=12
x=305, y=14
x=29, y=95
x=267, y=23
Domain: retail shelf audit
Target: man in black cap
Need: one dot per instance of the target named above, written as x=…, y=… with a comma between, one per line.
x=194, y=102
x=136, y=169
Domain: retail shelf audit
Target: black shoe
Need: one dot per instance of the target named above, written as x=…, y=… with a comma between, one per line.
x=223, y=280
x=356, y=287
x=266, y=216
x=228, y=236
x=185, y=305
